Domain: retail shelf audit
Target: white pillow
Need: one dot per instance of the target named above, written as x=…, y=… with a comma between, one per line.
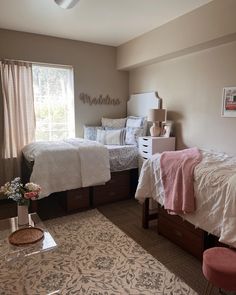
x=132, y=135
x=101, y=136
x=114, y=123
x=138, y=122
x=134, y=121
x=111, y=137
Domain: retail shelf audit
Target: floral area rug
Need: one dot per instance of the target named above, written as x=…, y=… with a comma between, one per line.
x=93, y=257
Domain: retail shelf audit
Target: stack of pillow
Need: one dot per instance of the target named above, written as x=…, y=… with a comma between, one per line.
x=117, y=131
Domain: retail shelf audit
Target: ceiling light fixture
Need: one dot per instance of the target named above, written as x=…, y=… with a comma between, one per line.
x=67, y=4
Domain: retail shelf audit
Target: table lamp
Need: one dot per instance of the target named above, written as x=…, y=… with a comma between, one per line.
x=156, y=116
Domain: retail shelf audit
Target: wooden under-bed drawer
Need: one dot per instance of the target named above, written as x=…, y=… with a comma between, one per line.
x=77, y=199
x=118, y=188
x=181, y=233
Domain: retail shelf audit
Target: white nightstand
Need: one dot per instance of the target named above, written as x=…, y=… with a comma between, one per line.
x=149, y=145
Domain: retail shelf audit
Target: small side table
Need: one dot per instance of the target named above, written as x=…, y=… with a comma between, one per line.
x=10, y=252
x=149, y=145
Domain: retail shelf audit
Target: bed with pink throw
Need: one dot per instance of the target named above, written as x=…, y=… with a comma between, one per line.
x=177, y=169
x=214, y=182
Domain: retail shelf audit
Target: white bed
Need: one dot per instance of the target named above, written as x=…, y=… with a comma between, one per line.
x=59, y=166
x=121, y=157
x=77, y=187
x=75, y=163
x=67, y=164
x=214, y=188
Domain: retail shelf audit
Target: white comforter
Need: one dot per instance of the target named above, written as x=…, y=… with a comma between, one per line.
x=67, y=164
x=215, y=193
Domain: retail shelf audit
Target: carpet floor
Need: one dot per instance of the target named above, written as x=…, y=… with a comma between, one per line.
x=93, y=257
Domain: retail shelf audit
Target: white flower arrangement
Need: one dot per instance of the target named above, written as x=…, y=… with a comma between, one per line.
x=20, y=193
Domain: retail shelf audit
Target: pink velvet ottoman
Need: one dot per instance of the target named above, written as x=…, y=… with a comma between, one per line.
x=219, y=268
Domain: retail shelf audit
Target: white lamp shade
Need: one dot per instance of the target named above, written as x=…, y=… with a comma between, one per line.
x=66, y=3
x=157, y=115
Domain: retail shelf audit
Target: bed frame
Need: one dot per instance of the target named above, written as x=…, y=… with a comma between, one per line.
x=121, y=186
x=179, y=231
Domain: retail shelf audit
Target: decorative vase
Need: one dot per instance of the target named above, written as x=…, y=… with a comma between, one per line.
x=155, y=129
x=23, y=214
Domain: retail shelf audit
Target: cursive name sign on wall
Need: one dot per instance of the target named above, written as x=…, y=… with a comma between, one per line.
x=99, y=100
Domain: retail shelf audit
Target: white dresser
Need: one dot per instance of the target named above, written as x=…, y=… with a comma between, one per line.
x=149, y=145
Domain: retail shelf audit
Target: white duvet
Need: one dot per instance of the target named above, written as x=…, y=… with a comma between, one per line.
x=214, y=188
x=67, y=164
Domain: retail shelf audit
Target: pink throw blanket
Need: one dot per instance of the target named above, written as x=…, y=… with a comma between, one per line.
x=177, y=169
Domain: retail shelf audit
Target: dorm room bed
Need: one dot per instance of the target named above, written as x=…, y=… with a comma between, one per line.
x=118, y=183
x=123, y=162
x=215, y=195
x=102, y=186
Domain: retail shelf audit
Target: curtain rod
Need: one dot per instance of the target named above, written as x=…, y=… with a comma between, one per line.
x=35, y=62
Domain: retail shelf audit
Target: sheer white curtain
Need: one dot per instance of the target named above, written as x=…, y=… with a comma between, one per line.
x=18, y=116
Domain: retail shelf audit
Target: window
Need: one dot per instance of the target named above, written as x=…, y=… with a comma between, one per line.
x=54, y=102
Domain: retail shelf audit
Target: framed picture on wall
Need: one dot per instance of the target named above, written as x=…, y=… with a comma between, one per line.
x=229, y=102
x=167, y=129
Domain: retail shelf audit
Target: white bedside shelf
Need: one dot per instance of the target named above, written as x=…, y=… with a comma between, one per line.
x=149, y=145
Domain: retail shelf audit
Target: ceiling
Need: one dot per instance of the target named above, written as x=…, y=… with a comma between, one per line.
x=110, y=22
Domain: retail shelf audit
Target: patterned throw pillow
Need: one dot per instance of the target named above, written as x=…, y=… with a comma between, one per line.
x=113, y=123
x=111, y=137
x=138, y=122
x=90, y=132
x=132, y=135
x=133, y=121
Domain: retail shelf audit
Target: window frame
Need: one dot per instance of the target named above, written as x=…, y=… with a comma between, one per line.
x=71, y=116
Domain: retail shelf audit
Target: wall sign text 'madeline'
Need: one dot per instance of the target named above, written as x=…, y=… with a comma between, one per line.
x=99, y=100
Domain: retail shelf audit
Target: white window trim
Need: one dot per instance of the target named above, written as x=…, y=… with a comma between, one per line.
x=72, y=114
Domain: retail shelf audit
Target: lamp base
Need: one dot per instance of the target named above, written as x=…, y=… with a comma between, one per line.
x=155, y=130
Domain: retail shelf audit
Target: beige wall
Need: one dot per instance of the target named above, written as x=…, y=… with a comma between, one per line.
x=191, y=87
x=189, y=60
x=210, y=25
x=94, y=66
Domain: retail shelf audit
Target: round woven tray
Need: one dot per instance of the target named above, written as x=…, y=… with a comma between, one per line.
x=25, y=236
